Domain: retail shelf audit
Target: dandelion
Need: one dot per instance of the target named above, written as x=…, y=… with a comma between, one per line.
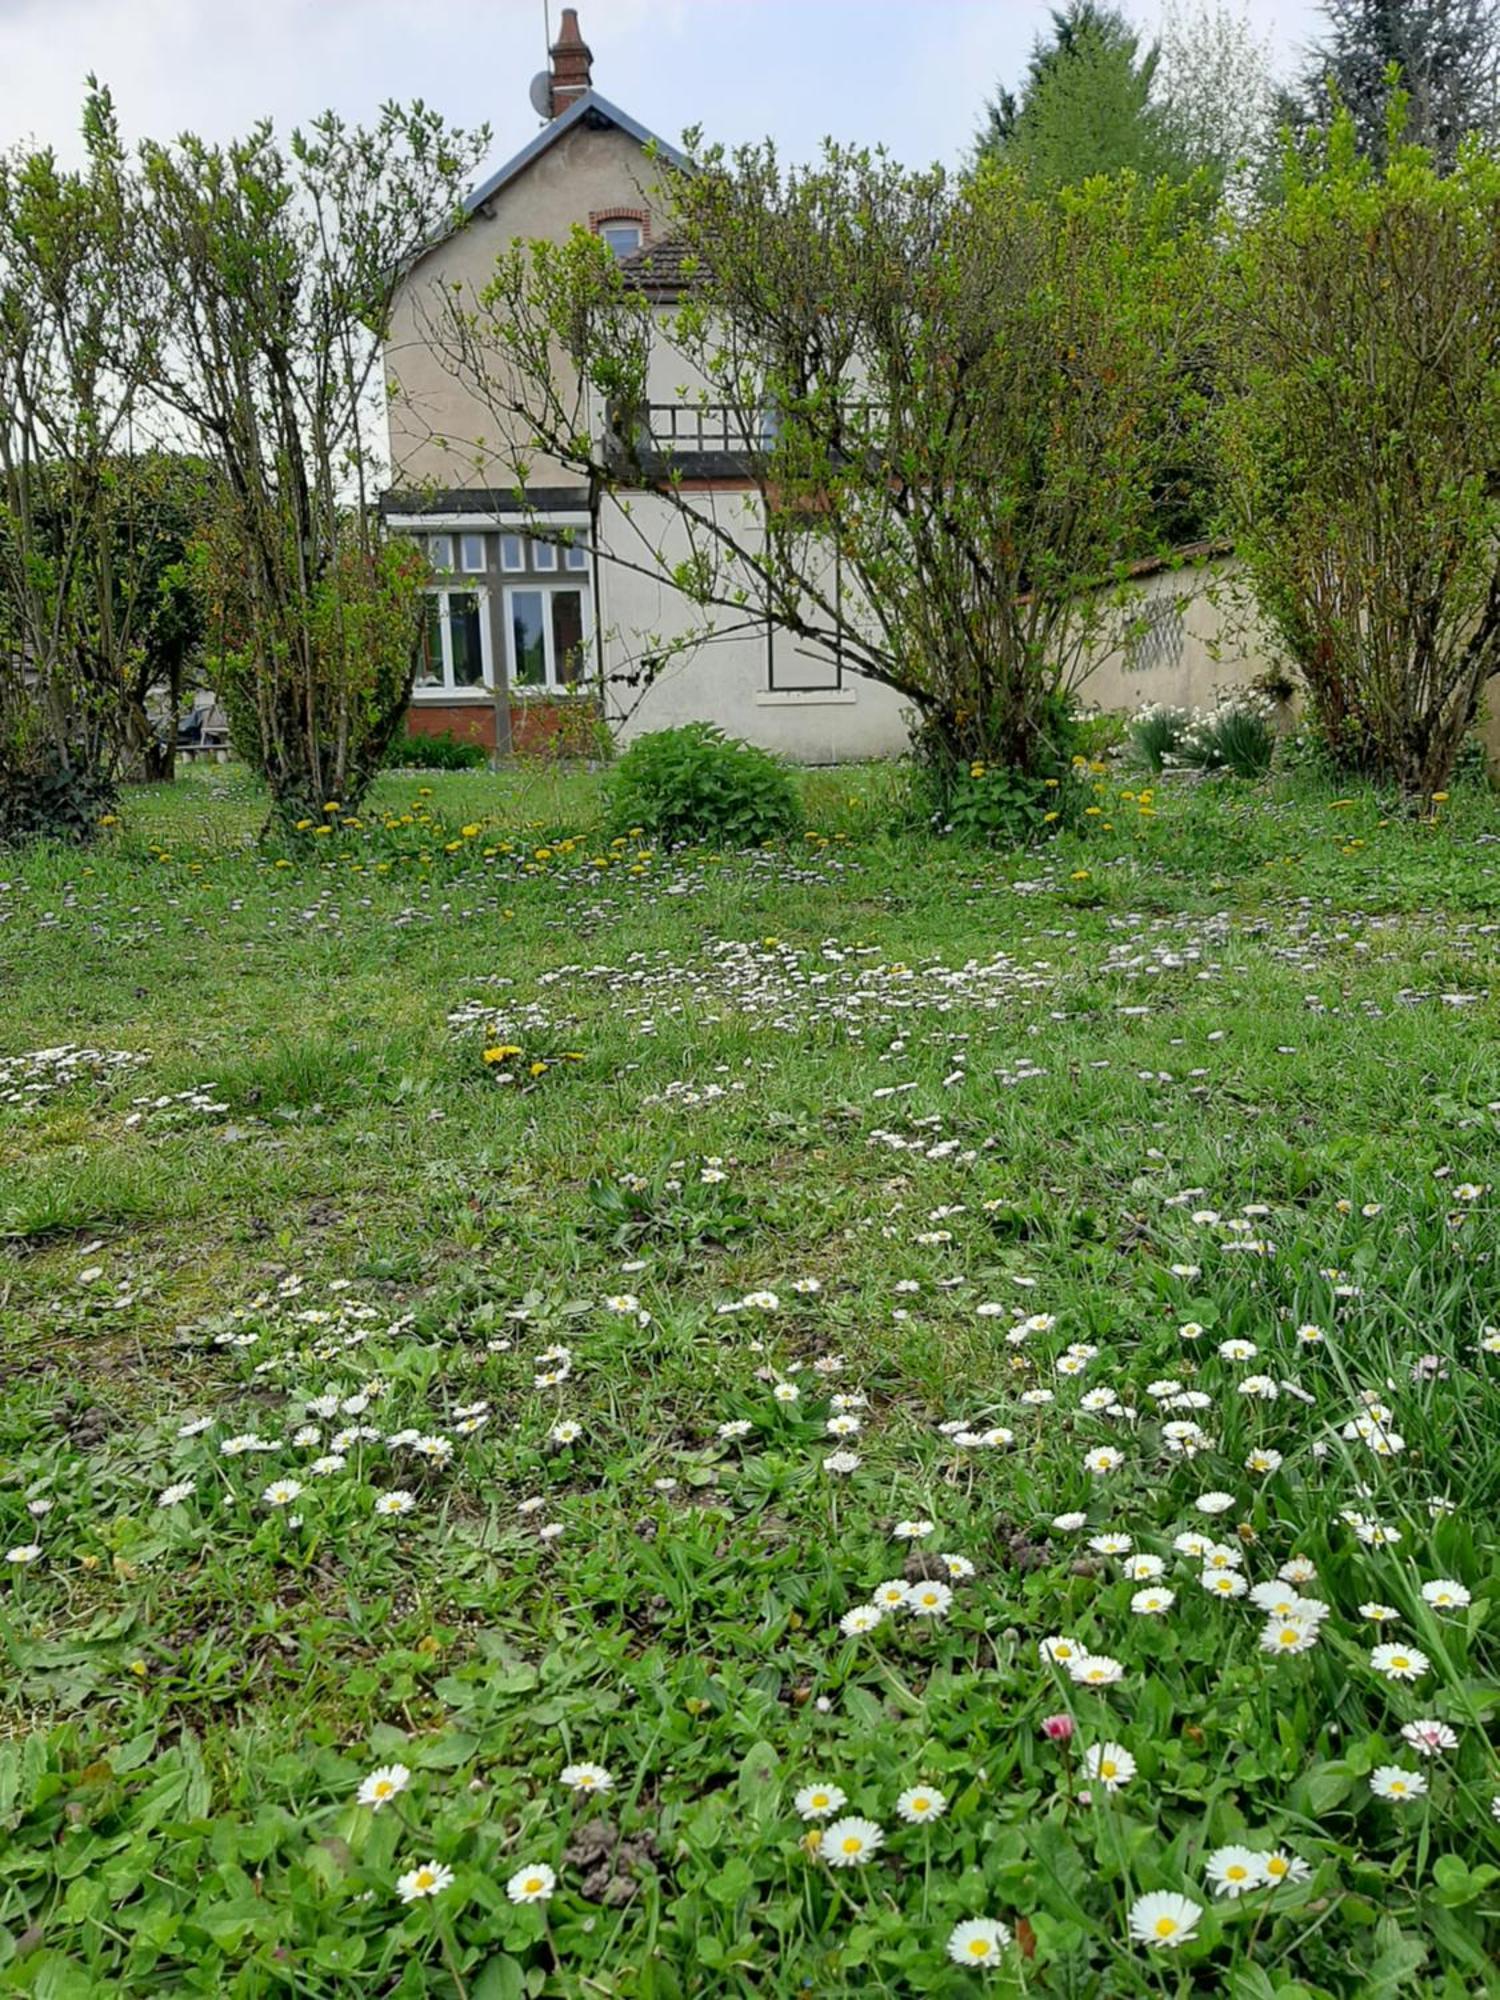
x=1111, y=1764
x=1164, y=1920
x=920, y=1804
x=977, y=1941
x=850, y=1843
x=533, y=1884
x=1399, y=1663
x=428, y=1880
x=1429, y=1739
x=586, y=1778
x=382, y=1785
x=1233, y=1870
x=818, y=1801
x=1389, y=1781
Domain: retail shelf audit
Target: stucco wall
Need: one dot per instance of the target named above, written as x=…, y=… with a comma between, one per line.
x=585, y=171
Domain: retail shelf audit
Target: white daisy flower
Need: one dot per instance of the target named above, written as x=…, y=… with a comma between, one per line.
x=850, y=1843
x=977, y=1941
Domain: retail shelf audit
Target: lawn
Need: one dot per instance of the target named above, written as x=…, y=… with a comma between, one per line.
x=865, y=1419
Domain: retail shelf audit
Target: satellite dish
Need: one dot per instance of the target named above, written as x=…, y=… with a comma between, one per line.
x=541, y=93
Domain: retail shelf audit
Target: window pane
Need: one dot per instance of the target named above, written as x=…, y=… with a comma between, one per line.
x=440, y=551
x=528, y=647
x=512, y=552
x=473, y=554
x=577, y=556
x=624, y=238
x=543, y=555
x=567, y=636
x=463, y=630
x=430, y=646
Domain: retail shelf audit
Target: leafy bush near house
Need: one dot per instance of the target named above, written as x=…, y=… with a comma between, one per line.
x=1155, y=733
x=1304, y=751
x=697, y=784
x=445, y=752
x=1237, y=735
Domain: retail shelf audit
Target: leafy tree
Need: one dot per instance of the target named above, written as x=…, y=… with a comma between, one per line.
x=1360, y=433
x=1447, y=53
x=277, y=267
x=1218, y=96
x=950, y=399
x=76, y=352
x=1071, y=27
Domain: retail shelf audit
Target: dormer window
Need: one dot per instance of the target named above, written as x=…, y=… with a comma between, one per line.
x=623, y=229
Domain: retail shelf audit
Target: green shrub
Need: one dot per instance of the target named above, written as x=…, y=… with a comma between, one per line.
x=45, y=797
x=1155, y=732
x=697, y=784
x=1237, y=735
x=435, y=753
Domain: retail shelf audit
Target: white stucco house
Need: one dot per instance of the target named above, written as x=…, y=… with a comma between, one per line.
x=538, y=617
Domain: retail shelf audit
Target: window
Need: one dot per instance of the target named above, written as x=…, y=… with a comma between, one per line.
x=544, y=555
x=472, y=554
x=549, y=635
x=512, y=552
x=455, y=646
x=624, y=238
x=576, y=556
x=440, y=551
x=1153, y=636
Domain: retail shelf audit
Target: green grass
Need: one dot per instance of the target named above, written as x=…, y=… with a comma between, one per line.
x=735, y=1075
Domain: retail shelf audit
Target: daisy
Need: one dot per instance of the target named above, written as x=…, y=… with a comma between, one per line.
x=1233, y=1870
x=1061, y=1650
x=27, y=1552
x=1104, y=1459
x=863, y=1618
x=911, y=1531
x=1144, y=1568
x=1096, y=1670
x=929, y=1600
x=978, y=1941
x=1223, y=1582
x=921, y=1804
x=1163, y=1919
x=1289, y=1635
x=1446, y=1595
x=1280, y=1866
x=1389, y=1781
x=818, y=1801
x=587, y=1778
x=958, y=1567
x=565, y=1432
x=399, y=1502
x=1399, y=1663
x=850, y=1843
x=428, y=1880
x=382, y=1785
x=173, y=1496
x=1111, y=1763
x=281, y=1492
x=1378, y=1614
x=1429, y=1739
x=1067, y=1524
x=1152, y=1602
x=1111, y=1545
x=842, y=1461
x=892, y=1595
x=737, y=1427
x=533, y=1884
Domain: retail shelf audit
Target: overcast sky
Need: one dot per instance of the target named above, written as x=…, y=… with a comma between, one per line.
x=911, y=73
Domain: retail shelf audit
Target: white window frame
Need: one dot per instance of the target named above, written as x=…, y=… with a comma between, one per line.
x=618, y=223
x=576, y=558
x=550, y=684
x=471, y=544
x=448, y=689
x=543, y=555
x=512, y=535
x=434, y=543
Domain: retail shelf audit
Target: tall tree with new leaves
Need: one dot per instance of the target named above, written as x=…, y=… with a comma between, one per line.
x=277, y=266
x=1447, y=54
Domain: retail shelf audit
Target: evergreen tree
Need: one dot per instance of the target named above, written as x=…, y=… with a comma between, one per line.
x=1448, y=55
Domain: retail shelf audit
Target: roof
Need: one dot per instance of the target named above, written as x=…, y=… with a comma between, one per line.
x=658, y=269
x=589, y=109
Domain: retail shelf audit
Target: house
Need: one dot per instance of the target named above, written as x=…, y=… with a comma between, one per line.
x=540, y=623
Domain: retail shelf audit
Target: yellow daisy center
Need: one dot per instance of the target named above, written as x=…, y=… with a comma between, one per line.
x=852, y=1843
x=532, y=1884
x=979, y=1947
x=1166, y=1926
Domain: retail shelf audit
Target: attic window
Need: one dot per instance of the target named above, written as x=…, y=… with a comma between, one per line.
x=623, y=229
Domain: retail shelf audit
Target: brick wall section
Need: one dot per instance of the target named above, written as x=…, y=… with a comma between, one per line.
x=599, y=216
x=469, y=721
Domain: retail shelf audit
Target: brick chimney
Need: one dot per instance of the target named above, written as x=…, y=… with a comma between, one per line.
x=571, y=64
